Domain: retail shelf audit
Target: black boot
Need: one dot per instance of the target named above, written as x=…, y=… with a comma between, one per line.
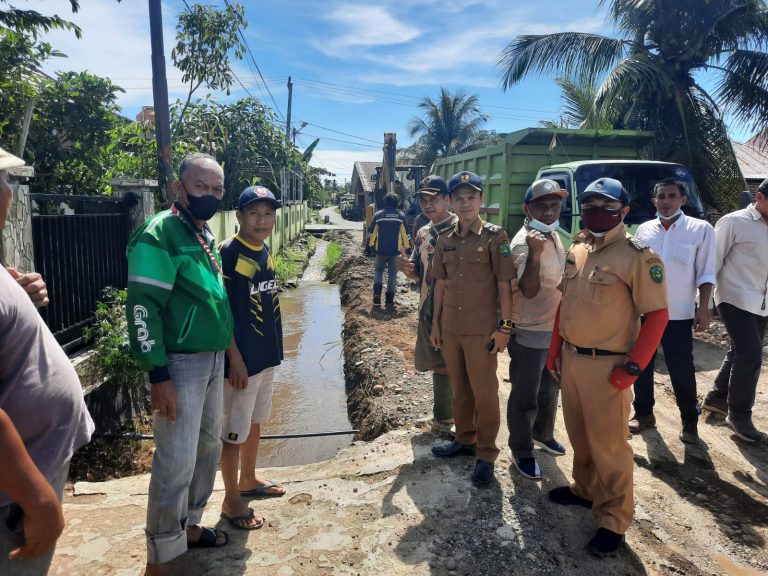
x=390, y=298
x=377, y=294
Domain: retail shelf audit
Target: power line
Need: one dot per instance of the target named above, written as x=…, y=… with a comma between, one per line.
x=344, y=141
x=339, y=132
x=250, y=53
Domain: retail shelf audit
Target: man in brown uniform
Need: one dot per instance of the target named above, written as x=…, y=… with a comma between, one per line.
x=598, y=349
x=473, y=269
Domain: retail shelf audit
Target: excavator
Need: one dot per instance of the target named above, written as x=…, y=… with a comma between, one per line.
x=387, y=180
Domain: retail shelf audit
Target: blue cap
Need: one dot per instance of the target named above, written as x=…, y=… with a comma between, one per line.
x=257, y=193
x=606, y=187
x=465, y=179
x=433, y=185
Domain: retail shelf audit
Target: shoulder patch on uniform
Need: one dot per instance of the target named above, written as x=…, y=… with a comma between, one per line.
x=637, y=244
x=657, y=274
x=505, y=249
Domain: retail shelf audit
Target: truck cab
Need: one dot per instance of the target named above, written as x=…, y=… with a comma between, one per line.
x=638, y=178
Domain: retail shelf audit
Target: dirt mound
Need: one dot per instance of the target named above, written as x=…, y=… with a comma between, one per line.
x=384, y=390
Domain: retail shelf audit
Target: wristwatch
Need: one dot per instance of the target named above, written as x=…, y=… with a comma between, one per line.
x=505, y=323
x=633, y=369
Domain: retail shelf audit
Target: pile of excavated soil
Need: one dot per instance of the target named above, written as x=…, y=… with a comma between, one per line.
x=383, y=388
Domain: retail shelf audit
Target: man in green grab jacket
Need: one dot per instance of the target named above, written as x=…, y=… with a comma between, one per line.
x=179, y=324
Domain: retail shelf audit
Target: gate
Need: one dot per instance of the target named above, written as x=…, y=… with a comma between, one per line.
x=79, y=244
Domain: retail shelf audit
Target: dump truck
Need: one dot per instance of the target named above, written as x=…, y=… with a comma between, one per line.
x=573, y=158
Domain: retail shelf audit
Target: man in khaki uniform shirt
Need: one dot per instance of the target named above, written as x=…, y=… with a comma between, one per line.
x=472, y=266
x=598, y=349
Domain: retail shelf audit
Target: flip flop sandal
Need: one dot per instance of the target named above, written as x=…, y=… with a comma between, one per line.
x=208, y=537
x=239, y=517
x=262, y=491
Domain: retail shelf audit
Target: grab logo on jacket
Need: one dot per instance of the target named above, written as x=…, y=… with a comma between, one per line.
x=142, y=334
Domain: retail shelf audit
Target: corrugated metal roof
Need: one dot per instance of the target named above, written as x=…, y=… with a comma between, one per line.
x=753, y=161
x=364, y=171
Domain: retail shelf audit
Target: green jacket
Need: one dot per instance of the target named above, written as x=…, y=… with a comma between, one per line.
x=176, y=296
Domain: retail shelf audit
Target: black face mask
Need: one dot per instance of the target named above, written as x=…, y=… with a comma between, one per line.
x=202, y=207
x=600, y=220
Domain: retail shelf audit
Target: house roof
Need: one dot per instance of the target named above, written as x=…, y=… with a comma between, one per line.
x=753, y=161
x=364, y=171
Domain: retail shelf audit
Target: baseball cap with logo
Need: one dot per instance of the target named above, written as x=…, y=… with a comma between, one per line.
x=607, y=187
x=255, y=194
x=8, y=160
x=433, y=185
x=465, y=179
x=543, y=187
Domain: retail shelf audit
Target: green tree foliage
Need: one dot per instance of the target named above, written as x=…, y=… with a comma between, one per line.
x=204, y=40
x=21, y=56
x=649, y=77
x=449, y=125
x=32, y=21
x=244, y=137
x=72, y=121
x=578, y=106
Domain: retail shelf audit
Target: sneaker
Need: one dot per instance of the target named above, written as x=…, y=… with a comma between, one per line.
x=551, y=446
x=565, y=497
x=453, y=449
x=745, y=430
x=715, y=405
x=528, y=467
x=605, y=542
x=482, y=475
x=640, y=422
x=689, y=434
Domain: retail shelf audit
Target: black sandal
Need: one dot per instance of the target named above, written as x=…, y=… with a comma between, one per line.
x=208, y=538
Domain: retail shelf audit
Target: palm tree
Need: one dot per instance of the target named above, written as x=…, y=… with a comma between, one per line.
x=578, y=102
x=448, y=126
x=649, y=77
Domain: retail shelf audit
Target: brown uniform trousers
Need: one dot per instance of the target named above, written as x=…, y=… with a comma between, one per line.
x=471, y=266
x=605, y=291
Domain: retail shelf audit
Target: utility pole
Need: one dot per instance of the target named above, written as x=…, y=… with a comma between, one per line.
x=160, y=96
x=288, y=116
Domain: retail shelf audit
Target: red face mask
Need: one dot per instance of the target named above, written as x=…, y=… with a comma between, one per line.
x=600, y=220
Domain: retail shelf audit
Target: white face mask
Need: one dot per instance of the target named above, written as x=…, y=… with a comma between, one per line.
x=541, y=227
x=661, y=216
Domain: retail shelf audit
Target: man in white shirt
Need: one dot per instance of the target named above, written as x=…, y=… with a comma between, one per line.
x=741, y=238
x=687, y=248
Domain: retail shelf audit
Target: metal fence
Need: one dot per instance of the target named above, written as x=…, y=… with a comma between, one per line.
x=79, y=244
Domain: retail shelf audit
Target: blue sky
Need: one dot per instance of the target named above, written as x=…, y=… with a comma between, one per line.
x=358, y=68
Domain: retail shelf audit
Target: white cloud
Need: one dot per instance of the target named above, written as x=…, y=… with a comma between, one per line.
x=342, y=162
x=115, y=44
x=365, y=26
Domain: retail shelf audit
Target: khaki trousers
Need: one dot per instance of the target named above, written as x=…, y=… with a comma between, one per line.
x=596, y=417
x=476, y=410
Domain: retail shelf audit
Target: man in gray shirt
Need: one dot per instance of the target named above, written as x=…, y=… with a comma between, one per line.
x=741, y=290
x=43, y=420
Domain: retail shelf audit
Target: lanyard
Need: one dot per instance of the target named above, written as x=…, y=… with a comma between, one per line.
x=200, y=239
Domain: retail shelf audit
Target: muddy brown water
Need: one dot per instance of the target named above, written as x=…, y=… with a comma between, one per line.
x=309, y=393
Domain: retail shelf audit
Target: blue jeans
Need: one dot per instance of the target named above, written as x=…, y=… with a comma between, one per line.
x=677, y=343
x=12, y=537
x=186, y=453
x=390, y=263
